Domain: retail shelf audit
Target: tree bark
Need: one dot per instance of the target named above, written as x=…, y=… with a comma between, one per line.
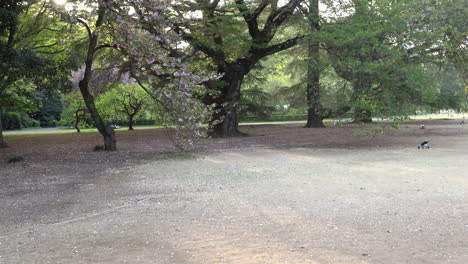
x=107, y=132
x=2, y=140
x=77, y=121
x=130, y=122
x=314, y=120
x=314, y=117
x=224, y=122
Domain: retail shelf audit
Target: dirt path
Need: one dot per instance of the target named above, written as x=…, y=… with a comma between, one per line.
x=283, y=197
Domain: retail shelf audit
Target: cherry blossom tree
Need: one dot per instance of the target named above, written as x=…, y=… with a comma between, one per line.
x=141, y=32
x=144, y=33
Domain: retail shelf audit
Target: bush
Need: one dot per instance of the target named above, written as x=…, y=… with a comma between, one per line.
x=15, y=120
x=34, y=123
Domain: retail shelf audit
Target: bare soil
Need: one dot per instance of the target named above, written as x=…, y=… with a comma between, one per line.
x=284, y=194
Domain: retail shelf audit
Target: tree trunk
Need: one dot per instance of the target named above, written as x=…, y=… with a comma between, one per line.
x=106, y=131
x=77, y=121
x=314, y=120
x=224, y=122
x=130, y=122
x=314, y=107
x=2, y=140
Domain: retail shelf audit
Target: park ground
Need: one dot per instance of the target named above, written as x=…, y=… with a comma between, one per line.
x=284, y=194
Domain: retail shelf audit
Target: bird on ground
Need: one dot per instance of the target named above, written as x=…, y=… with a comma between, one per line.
x=422, y=127
x=462, y=122
x=424, y=145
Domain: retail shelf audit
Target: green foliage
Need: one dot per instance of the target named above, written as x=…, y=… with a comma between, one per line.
x=255, y=101
x=17, y=103
x=370, y=49
x=123, y=101
x=49, y=107
x=33, y=63
x=75, y=113
x=18, y=120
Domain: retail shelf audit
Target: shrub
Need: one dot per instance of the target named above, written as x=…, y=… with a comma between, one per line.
x=15, y=120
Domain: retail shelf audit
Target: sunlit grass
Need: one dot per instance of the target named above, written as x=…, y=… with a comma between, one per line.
x=24, y=133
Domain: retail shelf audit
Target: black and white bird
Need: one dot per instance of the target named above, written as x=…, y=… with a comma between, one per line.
x=422, y=127
x=424, y=145
x=462, y=122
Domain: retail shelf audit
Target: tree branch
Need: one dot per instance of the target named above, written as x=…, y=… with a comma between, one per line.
x=279, y=47
x=88, y=29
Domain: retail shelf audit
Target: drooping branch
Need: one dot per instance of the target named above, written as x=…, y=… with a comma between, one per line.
x=88, y=29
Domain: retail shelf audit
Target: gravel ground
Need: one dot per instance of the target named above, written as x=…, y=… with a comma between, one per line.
x=283, y=195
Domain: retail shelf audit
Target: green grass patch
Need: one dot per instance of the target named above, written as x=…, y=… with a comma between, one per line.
x=24, y=133
x=440, y=116
x=35, y=131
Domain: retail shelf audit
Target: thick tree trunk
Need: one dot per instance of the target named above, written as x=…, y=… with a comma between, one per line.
x=2, y=140
x=314, y=120
x=224, y=122
x=314, y=107
x=130, y=122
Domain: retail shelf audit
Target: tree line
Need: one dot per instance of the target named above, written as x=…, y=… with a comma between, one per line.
x=196, y=62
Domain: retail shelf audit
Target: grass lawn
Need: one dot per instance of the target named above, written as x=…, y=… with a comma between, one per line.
x=41, y=131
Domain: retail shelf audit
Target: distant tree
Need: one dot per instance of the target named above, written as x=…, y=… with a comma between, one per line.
x=449, y=82
x=49, y=107
x=75, y=112
x=17, y=101
x=127, y=100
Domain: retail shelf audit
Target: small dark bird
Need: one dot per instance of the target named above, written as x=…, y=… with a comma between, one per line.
x=422, y=127
x=424, y=145
x=462, y=122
